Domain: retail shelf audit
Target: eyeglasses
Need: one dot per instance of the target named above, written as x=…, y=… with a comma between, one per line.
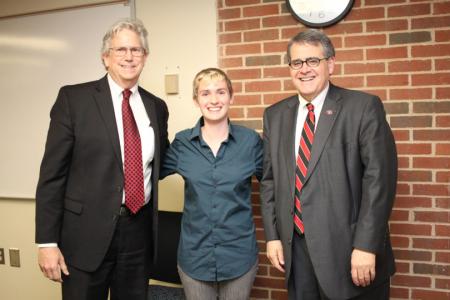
x=122, y=51
x=312, y=62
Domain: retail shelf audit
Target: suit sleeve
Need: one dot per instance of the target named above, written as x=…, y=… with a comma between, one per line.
x=379, y=180
x=53, y=172
x=267, y=186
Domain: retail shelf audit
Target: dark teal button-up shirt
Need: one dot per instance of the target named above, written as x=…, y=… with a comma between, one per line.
x=217, y=240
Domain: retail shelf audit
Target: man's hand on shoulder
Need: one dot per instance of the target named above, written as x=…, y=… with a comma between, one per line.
x=275, y=254
x=51, y=261
x=362, y=267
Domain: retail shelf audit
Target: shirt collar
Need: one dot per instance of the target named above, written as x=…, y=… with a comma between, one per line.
x=117, y=89
x=320, y=98
x=196, y=131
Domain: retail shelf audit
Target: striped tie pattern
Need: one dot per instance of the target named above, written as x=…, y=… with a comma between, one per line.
x=304, y=154
x=134, y=176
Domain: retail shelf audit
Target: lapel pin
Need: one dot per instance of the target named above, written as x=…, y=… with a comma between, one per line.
x=329, y=112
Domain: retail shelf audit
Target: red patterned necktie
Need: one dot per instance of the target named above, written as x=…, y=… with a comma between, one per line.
x=134, y=177
x=304, y=154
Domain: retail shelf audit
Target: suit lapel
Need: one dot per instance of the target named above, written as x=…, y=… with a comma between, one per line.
x=330, y=111
x=288, y=122
x=106, y=109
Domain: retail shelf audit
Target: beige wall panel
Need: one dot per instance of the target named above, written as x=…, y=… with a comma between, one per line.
x=183, y=40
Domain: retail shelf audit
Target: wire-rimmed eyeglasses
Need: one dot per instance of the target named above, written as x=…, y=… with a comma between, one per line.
x=122, y=51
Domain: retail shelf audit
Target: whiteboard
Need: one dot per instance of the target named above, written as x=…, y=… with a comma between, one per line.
x=38, y=55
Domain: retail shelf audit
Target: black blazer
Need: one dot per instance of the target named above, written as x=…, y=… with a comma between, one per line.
x=349, y=190
x=81, y=180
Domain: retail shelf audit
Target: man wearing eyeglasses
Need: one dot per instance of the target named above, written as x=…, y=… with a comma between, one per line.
x=97, y=195
x=329, y=181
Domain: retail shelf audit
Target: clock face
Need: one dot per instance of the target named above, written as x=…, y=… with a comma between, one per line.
x=319, y=13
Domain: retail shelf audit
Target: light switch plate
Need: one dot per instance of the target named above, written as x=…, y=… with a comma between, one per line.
x=14, y=257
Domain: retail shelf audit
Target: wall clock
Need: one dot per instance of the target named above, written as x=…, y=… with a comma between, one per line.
x=319, y=13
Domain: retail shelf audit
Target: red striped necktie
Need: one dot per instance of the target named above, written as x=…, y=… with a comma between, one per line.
x=304, y=154
x=134, y=176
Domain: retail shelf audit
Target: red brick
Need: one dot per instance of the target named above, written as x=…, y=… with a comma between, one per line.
x=412, y=202
x=415, y=148
x=273, y=98
x=349, y=81
x=443, y=121
x=366, y=14
x=269, y=282
x=443, y=177
x=411, y=121
x=279, y=21
x=431, y=135
x=429, y=294
x=442, y=230
x=344, y=28
x=230, y=62
x=259, y=293
x=413, y=176
x=247, y=99
x=279, y=295
x=410, y=93
x=403, y=189
x=399, y=215
x=416, y=281
x=350, y=55
x=403, y=135
x=399, y=241
x=431, y=190
x=230, y=13
x=408, y=10
x=442, y=283
x=432, y=107
x=409, y=66
x=442, y=35
x=430, y=22
x=443, y=257
x=403, y=162
x=430, y=50
x=240, y=2
x=387, y=53
x=255, y=112
x=362, y=68
x=413, y=255
x=260, y=10
x=391, y=25
x=241, y=25
x=442, y=93
x=432, y=216
x=263, y=60
x=440, y=270
x=442, y=64
x=410, y=229
x=227, y=38
x=247, y=73
x=442, y=149
x=275, y=46
x=399, y=293
x=443, y=203
x=382, y=93
x=243, y=49
x=263, y=86
x=236, y=112
x=365, y=40
x=437, y=244
x=387, y=80
x=261, y=35
x=276, y=72
x=382, y=2
x=441, y=8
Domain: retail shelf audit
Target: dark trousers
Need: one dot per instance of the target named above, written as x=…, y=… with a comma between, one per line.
x=303, y=284
x=124, y=270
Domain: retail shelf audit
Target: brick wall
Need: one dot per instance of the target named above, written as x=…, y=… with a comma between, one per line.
x=396, y=49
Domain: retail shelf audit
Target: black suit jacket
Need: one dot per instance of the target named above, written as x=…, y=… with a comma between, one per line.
x=349, y=189
x=81, y=181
